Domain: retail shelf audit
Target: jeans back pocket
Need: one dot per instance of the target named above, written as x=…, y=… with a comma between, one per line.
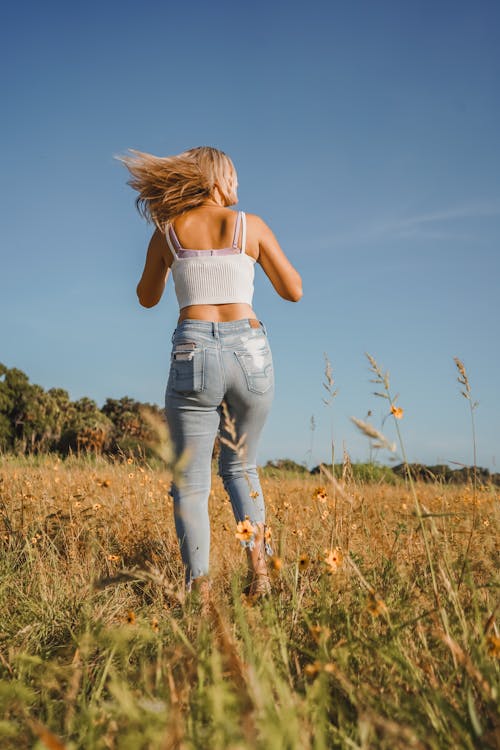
x=187, y=369
x=258, y=368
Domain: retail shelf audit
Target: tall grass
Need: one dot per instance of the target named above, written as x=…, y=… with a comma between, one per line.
x=381, y=631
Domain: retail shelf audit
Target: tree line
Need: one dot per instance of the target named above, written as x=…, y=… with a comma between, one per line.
x=34, y=420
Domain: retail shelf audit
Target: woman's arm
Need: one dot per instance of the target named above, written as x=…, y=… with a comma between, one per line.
x=154, y=277
x=283, y=276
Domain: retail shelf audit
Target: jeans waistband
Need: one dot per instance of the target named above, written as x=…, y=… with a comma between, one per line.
x=217, y=329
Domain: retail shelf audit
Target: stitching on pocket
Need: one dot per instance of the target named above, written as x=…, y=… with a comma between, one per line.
x=259, y=378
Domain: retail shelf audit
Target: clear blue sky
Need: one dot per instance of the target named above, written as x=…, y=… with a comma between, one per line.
x=366, y=134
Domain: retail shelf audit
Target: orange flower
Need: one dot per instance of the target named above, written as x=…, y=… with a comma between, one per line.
x=317, y=666
x=113, y=558
x=397, y=411
x=319, y=632
x=376, y=606
x=320, y=494
x=254, y=494
x=304, y=562
x=275, y=563
x=155, y=624
x=333, y=559
x=494, y=646
x=244, y=530
x=268, y=534
x=131, y=617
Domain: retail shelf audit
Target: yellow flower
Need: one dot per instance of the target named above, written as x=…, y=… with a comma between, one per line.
x=333, y=559
x=304, y=562
x=317, y=666
x=155, y=624
x=313, y=669
x=275, y=563
x=494, y=646
x=376, y=606
x=244, y=530
x=254, y=494
x=320, y=494
x=130, y=460
x=97, y=506
x=319, y=632
x=131, y=617
x=113, y=558
x=397, y=411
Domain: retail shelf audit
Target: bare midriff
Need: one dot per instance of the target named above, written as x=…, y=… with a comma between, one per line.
x=217, y=313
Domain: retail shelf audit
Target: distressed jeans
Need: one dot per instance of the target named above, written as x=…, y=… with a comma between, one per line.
x=212, y=363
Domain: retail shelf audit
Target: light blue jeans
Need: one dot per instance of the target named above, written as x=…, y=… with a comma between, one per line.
x=212, y=363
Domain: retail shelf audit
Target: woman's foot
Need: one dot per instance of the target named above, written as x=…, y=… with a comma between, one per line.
x=258, y=582
x=259, y=587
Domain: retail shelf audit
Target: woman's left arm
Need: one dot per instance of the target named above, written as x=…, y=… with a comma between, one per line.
x=156, y=269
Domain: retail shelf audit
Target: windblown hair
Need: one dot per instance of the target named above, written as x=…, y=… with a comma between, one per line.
x=171, y=185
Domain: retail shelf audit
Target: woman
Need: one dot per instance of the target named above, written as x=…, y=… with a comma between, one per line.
x=221, y=372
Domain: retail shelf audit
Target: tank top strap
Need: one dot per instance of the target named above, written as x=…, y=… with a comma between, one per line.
x=236, y=230
x=243, y=232
x=172, y=240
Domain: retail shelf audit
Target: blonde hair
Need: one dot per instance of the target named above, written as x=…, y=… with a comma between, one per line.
x=170, y=185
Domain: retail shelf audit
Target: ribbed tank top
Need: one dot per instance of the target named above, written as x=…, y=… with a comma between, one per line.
x=212, y=277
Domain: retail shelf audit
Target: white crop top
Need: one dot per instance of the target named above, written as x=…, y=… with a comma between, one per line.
x=212, y=277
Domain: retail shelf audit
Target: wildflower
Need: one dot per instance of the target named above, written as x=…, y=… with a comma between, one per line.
x=267, y=535
x=320, y=494
x=155, y=625
x=494, y=646
x=113, y=558
x=131, y=617
x=131, y=475
x=275, y=563
x=376, y=606
x=316, y=667
x=130, y=461
x=244, y=530
x=105, y=483
x=254, y=494
x=397, y=411
x=286, y=506
x=333, y=559
x=313, y=669
x=486, y=522
x=77, y=504
x=97, y=506
x=304, y=562
x=319, y=632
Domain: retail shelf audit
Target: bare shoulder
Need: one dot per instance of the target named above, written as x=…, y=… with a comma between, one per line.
x=261, y=239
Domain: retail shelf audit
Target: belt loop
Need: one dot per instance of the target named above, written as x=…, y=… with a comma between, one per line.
x=173, y=335
x=263, y=327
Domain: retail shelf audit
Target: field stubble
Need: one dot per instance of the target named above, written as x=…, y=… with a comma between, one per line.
x=356, y=648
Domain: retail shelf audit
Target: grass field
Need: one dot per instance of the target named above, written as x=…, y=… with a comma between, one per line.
x=380, y=632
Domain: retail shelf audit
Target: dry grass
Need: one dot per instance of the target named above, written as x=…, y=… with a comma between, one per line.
x=100, y=649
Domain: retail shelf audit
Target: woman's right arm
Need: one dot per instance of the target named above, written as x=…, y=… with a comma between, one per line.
x=283, y=276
